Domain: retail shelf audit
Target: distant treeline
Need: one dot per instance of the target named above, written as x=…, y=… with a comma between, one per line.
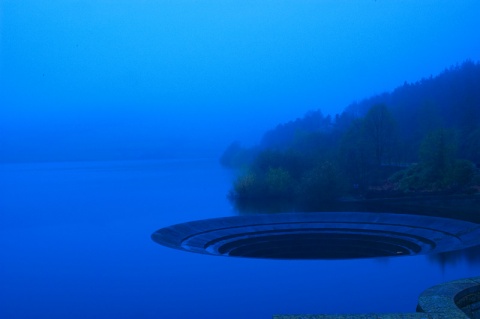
x=421, y=138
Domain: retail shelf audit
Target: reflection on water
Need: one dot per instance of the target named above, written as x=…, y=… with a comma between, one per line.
x=470, y=255
x=463, y=207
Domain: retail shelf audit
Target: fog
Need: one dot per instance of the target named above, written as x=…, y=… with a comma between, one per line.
x=96, y=80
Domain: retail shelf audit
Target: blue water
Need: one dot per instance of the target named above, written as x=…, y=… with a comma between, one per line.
x=75, y=243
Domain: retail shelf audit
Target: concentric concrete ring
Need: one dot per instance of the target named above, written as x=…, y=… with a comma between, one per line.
x=455, y=299
x=338, y=235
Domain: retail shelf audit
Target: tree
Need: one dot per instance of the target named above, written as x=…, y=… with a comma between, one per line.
x=437, y=157
x=439, y=169
x=353, y=154
x=379, y=128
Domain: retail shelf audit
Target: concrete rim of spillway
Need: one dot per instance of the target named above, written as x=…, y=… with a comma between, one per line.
x=326, y=235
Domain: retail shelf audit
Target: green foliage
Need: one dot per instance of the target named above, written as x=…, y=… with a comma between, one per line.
x=353, y=153
x=433, y=123
x=463, y=173
x=284, y=135
x=379, y=127
x=438, y=149
x=437, y=157
x=471, y=145
x=457, y=178
x=247, y=186
x=409, y=179
x=324, y=183
x=274, y=183
x=271, y=175
x=291, y=161
x=279, y=183
x=438, y=169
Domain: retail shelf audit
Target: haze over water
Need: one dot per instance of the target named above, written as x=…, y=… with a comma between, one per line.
x=147, y=79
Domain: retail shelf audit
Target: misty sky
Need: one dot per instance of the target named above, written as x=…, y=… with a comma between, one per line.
x=97, y=79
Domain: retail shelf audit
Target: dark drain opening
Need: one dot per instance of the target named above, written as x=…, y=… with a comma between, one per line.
x=318, y=246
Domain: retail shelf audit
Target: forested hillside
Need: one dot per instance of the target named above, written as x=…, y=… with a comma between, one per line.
x=422, y=137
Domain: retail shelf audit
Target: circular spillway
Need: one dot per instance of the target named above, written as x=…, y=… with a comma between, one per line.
x=338, y=235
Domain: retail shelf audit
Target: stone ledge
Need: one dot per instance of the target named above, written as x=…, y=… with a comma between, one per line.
x=459, y=299
x=456, y=298
x=417, y=315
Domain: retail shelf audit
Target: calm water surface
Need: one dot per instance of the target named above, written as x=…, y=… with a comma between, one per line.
x=75, y=243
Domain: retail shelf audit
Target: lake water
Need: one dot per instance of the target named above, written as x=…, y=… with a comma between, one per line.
x=75, y=243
